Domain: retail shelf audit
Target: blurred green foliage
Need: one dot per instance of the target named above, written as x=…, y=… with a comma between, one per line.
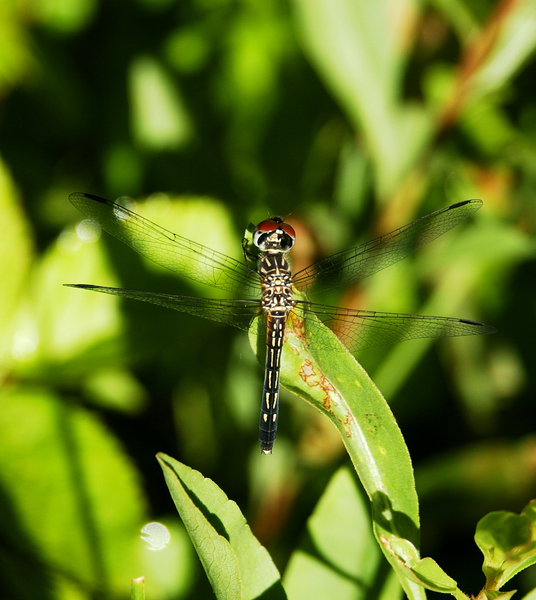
x=353, y=117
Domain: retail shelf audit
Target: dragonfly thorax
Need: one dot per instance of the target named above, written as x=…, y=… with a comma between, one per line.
x=276, y=284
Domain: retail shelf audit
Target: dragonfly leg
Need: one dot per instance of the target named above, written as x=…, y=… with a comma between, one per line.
x=250, y=258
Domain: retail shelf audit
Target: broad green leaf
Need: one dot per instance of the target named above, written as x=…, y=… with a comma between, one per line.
x=15, y=48
x=16, y=254
x=80, y=332
x=235, y=562
x=360, y=49
x=160, y=120
x=508, y=542
x=69, y=324
x=316, y=367
x=55, y=326
x=339, y=557
x=72, y=504
x=201, y=218
x=65, y=17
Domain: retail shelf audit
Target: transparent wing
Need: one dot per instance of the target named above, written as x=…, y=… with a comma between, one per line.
x=192, y=260
x=362, y=329
x=357, y=329
x=361, y=261
x=238, y=313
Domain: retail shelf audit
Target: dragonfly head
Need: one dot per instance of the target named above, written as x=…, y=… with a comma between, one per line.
x=273, y=234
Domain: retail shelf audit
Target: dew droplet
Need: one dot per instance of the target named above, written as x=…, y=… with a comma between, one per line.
x=156, y=536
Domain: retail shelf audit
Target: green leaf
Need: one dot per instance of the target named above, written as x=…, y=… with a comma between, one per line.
x=515, y=41
x=15, y=49
x=71, y=501
x=530, y=596
x=359, y=48
x=339, y=557
x=508, y=542
x=318, y=368
x=60, y=326
x=424, y=571
x=236, y=564
x=160, y=120
x=16, y=253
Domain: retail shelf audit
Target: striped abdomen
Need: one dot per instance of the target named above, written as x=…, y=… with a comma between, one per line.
x=275, y=333
x=277, y=302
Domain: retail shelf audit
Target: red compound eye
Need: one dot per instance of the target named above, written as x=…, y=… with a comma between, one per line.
x=272, y=225
x=288, y=230
x=267, y=226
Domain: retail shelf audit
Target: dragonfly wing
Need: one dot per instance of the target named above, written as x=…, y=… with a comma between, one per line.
x=238, y=313
x=179, y=254
x=361, y=261
x=362, y=329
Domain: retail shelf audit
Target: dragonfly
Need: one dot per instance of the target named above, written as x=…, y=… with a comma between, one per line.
x=270, y=290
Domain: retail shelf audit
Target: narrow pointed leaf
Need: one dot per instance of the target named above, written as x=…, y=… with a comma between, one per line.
x=234, y=560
